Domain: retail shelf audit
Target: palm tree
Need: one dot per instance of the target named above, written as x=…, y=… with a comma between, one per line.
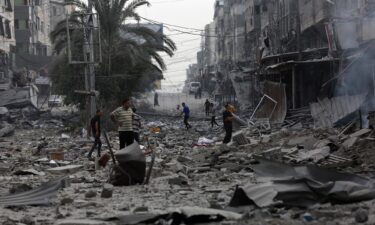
x=113, y=16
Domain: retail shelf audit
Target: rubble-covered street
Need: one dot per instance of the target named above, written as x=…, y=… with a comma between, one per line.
x=176, y=112
x=193, y=171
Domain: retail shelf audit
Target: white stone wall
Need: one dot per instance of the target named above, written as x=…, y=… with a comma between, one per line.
x=5, y=42
x=43, y=12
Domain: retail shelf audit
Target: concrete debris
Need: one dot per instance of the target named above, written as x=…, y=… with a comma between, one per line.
x=80, y=222
x=350, y=142
x=19, y=97
x=240, y=138
x=44, y=147
x=38, y=196
x=29, y=172
x=360, y=133
x=90, y=194
x=107, y=191
x=70, y=169
x=361, y=216
x=66, y=201
x=6, y=129
x=19, y=188
x=183, y=215
x=4, y=113
x=302, y=186
x=315, y=155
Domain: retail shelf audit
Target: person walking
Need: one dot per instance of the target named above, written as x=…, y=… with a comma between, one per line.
x=95, y=131
x=186, y=112
x=199, y=92
x=137, y=125
x=156, y=99
x=207, y=106
x=213, y=115
x=123, y=118
x=228, y=123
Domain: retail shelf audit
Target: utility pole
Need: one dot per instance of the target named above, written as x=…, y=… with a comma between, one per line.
x=88, y=55
x=33, y=24
x=88, y=26
x=91, y=63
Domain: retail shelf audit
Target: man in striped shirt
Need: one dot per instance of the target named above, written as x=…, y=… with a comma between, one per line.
x=123, y=118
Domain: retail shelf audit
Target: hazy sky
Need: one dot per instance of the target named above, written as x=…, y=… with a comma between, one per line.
x=186, y=13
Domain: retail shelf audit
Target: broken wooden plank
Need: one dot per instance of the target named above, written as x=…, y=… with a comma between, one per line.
x=65, y=169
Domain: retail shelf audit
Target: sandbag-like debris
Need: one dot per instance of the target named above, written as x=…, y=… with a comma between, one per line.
x=132, y=166
x=301, y=186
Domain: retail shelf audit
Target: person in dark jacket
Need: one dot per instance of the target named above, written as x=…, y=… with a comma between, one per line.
x=207, y=106
x=213, y=115
x=95, y=131
x=156, y=99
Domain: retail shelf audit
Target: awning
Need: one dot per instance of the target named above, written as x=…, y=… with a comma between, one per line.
x=280, y=66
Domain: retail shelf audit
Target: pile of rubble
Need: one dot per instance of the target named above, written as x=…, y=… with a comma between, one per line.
x=194, y=178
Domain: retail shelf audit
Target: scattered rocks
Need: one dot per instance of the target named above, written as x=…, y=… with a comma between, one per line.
x=4, y=113
x=28, y=220
x=19, y=188
x=140, y=209
x=361, y=215
x=177, y=181
x=107, y=191
x=66, y=201
x=6, y=129
x=90, y=194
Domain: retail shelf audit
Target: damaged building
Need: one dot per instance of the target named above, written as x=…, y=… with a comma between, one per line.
x=7, y=43
x=316, y=50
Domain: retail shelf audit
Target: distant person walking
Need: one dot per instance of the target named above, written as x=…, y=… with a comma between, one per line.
x=95, y=131
x=228, y=123
x=213, y=115
x=123, y=118
x=156, y=99
x=199, y=92
x=207, y=106
x=186, y=112
x=137, y=125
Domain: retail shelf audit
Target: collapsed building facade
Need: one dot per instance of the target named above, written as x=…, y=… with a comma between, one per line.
x=311, y=49
x=26, y=50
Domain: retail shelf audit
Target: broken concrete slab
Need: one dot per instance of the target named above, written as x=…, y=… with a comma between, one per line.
x=302, y=186
x=90, y=194
x=19, y=188
x=184, y=215
x=19, y=97
x=315, y=155
x=361, y=133
x=6, y=129
x=350, y=142
x=107, y=191
x=306, y=141
x=81, y=222
x=178, y=180
x=70, y=169
x=240, y=138
x=29, y=172
x=4, y=113
x=4, y=167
